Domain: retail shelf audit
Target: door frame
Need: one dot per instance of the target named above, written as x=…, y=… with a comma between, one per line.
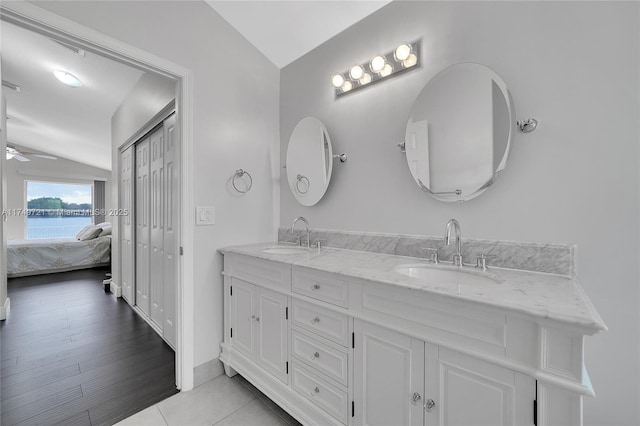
x=31, y=17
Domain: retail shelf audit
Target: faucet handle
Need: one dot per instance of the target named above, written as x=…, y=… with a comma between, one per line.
x=319, y=243
x=433, y=254
x=481, y=260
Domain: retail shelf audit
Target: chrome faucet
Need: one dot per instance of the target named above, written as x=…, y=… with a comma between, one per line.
x=306, y=224
x=457, y=258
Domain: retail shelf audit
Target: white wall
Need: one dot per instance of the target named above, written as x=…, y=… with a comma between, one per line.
x=235, y=126
x=60, y=170
x=572, y=65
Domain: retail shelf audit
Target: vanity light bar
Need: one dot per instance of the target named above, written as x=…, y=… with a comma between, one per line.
x=402, y=58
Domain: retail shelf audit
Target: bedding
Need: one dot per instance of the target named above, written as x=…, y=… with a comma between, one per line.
x=43, y=256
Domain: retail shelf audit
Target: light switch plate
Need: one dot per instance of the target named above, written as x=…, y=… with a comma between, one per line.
x=205, y=215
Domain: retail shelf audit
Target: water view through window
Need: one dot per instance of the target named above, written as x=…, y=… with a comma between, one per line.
x=57, y=210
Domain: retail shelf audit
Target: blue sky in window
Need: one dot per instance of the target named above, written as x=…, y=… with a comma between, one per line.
x=69, y=193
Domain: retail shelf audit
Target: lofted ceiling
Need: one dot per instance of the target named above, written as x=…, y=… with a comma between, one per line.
x=286, y=30
x=75, y=123
x=47, y=116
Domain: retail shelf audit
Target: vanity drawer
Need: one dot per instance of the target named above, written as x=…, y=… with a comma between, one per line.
x=259, y=271
x=319, y=356
x=326, y=396
x=331, y=325
x=320, y=286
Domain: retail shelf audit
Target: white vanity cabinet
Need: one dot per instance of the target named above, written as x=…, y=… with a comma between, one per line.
x=258, y=326
x=333, y=349
x=402, y=380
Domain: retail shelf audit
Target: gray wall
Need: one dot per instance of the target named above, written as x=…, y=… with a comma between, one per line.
x=235, y=125
x=573, y=66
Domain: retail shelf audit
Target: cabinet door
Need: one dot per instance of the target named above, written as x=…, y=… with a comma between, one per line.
x=156, y=222
x=469, y=391
x=142, y=209
x=272, y=332
x=127, y=263
x=171, y=227
x=243, y=301
x=388, y=372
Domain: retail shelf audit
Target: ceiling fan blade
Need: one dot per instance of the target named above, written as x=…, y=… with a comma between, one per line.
x=21, y=158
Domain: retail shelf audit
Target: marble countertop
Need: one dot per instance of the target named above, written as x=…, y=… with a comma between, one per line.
x=541, y=295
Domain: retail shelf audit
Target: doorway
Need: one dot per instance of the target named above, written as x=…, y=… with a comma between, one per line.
x=31, y=17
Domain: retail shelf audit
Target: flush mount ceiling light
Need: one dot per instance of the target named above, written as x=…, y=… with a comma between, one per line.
x=402, y=58
x=67, y=78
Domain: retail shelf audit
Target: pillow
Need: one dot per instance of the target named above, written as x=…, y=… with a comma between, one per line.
x=82, y=231
x=105, y=230
x=89, y=233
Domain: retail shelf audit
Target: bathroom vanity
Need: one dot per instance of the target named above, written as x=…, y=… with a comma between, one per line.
x=357, y=338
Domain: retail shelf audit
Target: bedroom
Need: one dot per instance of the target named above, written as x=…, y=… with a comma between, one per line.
x=58, y=216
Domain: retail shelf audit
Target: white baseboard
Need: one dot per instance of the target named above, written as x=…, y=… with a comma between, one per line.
x=4, y=310
x=207, y=371
x=116, y=289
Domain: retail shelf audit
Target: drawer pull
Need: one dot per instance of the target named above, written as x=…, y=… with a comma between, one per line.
x=315, y=355
x=315, y=320
x=315, y=287
x=315, y=391
x=254, y=318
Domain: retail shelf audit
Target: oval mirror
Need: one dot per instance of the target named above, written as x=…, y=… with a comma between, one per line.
x=309, y=161
x=459, y=132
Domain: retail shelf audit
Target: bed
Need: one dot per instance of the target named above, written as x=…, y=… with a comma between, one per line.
x=44, y=256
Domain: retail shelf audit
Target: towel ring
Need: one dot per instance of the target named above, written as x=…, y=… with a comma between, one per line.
x=239, y=174
x=299, y=179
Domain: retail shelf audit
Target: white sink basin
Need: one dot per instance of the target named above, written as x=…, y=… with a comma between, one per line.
x=286, y=250
x=447, y=275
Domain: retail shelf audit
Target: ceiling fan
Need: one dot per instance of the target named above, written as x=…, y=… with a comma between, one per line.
x=24, y=155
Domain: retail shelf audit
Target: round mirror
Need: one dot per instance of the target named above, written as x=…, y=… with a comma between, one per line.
x=459, y=132
x=309, y=161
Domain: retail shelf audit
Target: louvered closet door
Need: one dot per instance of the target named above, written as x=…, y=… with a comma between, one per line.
x=171, y=226
x=156, y=282
x=126, y=225
x=142, y=225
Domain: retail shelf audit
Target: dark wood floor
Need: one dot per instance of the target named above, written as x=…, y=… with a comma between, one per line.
x=75, y=355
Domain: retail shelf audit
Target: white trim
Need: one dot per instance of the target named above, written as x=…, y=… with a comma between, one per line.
x=32, y=17
x=58, y=175
x=4, y=310
x=115, y=289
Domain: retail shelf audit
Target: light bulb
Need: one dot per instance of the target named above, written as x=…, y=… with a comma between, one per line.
x=402, y=52
x=386, y=70
x=410, y=61
x=67, y=78
x=337, y=80
x=356, y=72
x=377, y=63
x=365, y=79
x=347, y=86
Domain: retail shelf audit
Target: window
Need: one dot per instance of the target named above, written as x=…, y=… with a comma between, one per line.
x=56, y=210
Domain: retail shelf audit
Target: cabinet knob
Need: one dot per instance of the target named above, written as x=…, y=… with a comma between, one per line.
x=315, y=355
x=416, y=397
x=430, y=405
x=315, y=287
x=315, y=391
x=315, y=320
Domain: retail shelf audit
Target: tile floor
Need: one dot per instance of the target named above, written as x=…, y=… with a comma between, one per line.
x=222, y=401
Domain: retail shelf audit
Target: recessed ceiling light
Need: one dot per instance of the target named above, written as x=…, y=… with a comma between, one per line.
x=67, y=78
